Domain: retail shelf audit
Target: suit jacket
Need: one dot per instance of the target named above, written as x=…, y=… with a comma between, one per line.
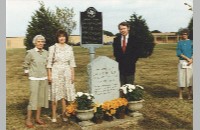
x=128, y=59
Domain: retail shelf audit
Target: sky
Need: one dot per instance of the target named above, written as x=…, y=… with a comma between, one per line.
x=162, y=15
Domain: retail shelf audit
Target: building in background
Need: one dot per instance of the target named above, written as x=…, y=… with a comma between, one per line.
x=165, y=38
x=15, y=42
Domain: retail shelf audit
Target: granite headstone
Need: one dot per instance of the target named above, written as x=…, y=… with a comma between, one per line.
x=104, y=81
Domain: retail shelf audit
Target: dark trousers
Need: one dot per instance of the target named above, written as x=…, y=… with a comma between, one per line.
x=126, y=79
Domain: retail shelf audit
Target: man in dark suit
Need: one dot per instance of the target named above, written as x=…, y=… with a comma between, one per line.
x=126, y=53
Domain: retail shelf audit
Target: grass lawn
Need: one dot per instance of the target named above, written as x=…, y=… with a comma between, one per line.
x=157, y=74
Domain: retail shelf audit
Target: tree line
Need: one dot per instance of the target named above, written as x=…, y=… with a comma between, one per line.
x=46, y=22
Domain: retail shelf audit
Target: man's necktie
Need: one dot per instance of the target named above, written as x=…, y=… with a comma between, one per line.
x=124, y=44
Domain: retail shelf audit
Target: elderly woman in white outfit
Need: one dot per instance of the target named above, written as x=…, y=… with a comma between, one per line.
x=35, y=67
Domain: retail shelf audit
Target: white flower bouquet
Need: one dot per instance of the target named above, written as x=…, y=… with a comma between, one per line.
x=132, y=92
x=84, y=101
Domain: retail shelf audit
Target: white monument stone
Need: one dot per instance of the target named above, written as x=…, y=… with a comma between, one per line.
x=104, y=81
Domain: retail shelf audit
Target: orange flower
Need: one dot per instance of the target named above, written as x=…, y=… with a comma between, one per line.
x=70, y=109
x=112, y=111
x=110, y=107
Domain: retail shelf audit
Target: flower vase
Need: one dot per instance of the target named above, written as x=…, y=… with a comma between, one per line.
x=134, y=107
x=85, y=116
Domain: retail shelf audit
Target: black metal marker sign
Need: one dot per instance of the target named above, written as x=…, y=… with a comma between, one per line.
x=91, y=27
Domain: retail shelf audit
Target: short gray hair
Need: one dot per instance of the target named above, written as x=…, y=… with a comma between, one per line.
x=38, y=37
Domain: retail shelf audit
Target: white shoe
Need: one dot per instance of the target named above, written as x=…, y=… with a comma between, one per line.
x=53, y=120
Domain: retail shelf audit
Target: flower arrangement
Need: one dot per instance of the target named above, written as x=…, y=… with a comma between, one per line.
x=70, y=109
x=109, y=108
x=84, y=101
x=120, y=111
x=132, y=92
x=98, y=114
x=113, y=106
x=98, y=111
x=122, y=103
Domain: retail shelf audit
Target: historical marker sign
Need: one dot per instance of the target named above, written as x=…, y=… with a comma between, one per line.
x=91, y=27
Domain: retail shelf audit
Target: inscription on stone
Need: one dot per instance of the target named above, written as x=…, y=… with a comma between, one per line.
x=104, y=79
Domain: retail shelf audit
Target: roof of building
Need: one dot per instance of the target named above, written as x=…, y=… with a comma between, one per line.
x=167, y=33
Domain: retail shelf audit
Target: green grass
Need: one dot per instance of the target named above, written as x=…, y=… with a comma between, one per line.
x=158, y=74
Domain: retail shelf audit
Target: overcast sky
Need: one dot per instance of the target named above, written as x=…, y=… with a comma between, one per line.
x=162, y=15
